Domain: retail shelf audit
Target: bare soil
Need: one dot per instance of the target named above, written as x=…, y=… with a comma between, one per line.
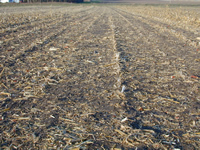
x=97, y=77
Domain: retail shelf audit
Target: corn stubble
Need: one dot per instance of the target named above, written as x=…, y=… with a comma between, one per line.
x=89, y=77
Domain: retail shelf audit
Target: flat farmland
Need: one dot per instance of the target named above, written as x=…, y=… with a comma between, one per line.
x=100, y=76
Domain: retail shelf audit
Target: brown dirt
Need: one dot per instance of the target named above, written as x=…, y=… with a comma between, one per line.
x=97, y=77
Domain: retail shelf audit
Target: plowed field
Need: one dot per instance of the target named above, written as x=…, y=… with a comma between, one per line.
x=99, y=77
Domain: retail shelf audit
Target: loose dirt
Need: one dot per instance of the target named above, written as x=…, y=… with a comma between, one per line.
x=98, y=77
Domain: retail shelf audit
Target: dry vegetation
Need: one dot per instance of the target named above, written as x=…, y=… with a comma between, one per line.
x=177, y=16
x=99, y=77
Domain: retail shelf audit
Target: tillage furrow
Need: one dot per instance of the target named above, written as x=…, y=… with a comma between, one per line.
x=150, y=61
x=40, y=38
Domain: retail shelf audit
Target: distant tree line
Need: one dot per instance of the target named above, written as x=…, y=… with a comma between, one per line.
x=41, y=1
